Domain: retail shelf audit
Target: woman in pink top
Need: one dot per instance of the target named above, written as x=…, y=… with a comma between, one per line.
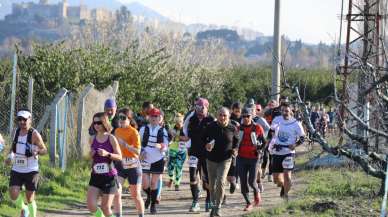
x=104, y=150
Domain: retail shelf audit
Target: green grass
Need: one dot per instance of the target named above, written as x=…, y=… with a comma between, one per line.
x=57, y=189
x=349, y=190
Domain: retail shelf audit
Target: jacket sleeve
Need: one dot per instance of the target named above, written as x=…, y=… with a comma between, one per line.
x=236, y=137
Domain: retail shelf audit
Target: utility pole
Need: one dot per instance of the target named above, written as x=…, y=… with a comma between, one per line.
x=275, y=93
x=363, y=57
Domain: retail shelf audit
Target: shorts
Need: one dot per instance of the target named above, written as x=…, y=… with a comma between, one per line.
x=107, y=184
x=29, y=180
x=133, y=175
x=278, y=166
x=156, y=167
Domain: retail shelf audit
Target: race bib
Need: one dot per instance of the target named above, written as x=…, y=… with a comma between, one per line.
x=182, y=146
x=288, y=162
x=193, y=161
x=129, y=162
x=101, y=168
x=145, y=165
x=20, y=161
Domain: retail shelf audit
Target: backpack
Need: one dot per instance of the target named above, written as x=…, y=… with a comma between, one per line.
x=146, y=136
x=241, y=133
x=15, y=139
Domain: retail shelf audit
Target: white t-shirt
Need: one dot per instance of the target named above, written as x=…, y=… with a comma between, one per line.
x=287, y=132
x=21, y=163
x=153, y=154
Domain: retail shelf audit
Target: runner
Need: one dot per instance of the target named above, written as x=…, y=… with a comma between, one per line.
x=129, y=168
x=110, y=108
x=177, y=154
x=104, y=150
x=251, y=141
x=196, y=123
x=258, y=119
x=288, y=134
x=323, y=122
x=24, y=155
x=236, y=119
x=236, y=112
x=154, y=140
x=221, y=139
x=142, y=118
x=270, y=115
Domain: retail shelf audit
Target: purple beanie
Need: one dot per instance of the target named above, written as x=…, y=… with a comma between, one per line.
x=110, y=103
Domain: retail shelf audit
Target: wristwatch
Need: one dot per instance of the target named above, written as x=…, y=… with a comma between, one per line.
x=109, y=155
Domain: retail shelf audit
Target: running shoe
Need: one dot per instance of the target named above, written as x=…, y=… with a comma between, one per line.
x=208, y=206
x=232, y=187
x=257, y=199
x=282, y=192
x=194, y=207
x=169, y=184
x=147, y=202
x=216, y=212
x=153, y=209
x=269, y=178
x=248, y=207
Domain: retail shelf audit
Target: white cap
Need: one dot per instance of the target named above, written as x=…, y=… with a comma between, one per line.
x=25, y=114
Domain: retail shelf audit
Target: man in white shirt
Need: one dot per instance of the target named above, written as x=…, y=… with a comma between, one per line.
x=289, y=133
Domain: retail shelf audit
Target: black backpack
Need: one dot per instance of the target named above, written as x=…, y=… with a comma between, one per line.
x=29, y=140
x=146, y=136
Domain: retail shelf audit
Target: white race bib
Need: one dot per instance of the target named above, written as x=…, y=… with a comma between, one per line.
x=145, y=165
x=288, y=162
x=20, y=161
x=182, y=146
x=129, y=162
x=101, y=168
x=193, y=161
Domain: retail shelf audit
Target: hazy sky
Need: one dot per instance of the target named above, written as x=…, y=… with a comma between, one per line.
x=310, y=20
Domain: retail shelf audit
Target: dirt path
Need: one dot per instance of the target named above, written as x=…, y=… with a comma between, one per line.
x=177, y=203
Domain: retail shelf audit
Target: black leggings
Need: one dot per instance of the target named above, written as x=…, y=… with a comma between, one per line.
x=247, y=171
x=201, y=169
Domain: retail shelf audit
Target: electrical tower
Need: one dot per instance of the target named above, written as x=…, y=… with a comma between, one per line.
x=363, y=61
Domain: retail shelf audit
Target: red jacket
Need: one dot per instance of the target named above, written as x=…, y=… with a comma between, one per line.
x=247, y=149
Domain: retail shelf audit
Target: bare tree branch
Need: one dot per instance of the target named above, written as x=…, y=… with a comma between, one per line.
x=364, y=125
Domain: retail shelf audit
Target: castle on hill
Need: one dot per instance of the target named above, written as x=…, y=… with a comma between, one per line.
x=44, y=11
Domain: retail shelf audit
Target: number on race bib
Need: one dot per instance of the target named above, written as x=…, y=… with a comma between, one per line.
x=145, y=165
x=129, y=162
x=101, y=168
x=20, y=161
x=288, y=162
x=193, y=161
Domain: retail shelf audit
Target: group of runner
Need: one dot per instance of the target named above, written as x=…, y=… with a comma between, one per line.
x=235, y=146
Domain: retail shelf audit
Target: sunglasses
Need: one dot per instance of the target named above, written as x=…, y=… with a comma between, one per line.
x=123, y=117
x=246, y=116
x=21, y=119
x=199, y=107
x=97, y=123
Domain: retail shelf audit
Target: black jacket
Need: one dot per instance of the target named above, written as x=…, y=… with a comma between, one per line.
x=195, y=131
x=226, y=139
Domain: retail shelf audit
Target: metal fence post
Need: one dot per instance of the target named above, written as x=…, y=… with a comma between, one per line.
x=13, y=94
